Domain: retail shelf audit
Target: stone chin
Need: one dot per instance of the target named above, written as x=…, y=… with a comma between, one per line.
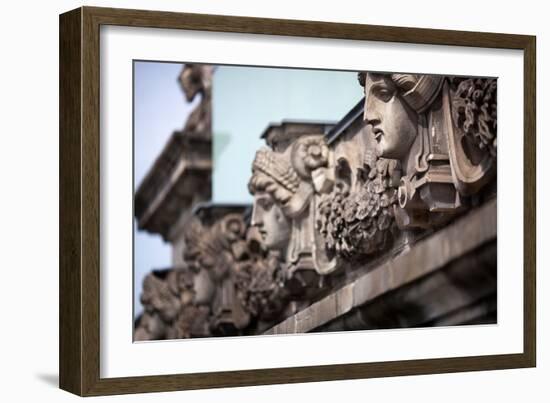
x=274, y=241
x=275, y=228
x=387, y=149
x=395, y=142
x=270, y=221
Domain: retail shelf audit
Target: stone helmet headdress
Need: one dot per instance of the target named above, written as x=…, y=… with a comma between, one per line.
x=290, y=177
x=417, y=90
x=273, y=174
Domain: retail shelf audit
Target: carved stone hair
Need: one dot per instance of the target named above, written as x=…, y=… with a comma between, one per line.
x=404, y=82
x=419, y=91
x=271, y=173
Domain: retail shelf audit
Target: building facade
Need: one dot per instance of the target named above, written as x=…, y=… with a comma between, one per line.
x=386, y=219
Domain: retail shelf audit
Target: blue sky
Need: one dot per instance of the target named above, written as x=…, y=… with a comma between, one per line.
x=160, y=108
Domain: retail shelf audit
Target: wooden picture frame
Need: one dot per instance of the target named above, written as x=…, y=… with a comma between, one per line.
x=79, y=200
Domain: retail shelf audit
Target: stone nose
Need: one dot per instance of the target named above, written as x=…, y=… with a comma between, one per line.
x=372, y=119
x=256, y=220
x=369, y=114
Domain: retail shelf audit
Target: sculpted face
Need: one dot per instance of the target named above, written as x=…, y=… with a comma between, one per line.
x=272, y=224
x=393, y=122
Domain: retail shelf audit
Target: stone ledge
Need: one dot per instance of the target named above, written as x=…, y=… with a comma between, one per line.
x=426, y=257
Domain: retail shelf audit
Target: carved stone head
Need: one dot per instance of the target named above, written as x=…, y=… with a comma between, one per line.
x=285, y=185
x=392, y=105
x=273, y=183
x=443, y=131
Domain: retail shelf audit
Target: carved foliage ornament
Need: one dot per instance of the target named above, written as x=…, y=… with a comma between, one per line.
x=475, y=111
x=360, y=222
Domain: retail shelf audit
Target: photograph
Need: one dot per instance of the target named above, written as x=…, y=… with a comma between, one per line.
x=276, y=200
x=253, y=200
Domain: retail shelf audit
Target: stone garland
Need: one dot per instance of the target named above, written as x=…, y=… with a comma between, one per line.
x=475, y=111
x=360, y=222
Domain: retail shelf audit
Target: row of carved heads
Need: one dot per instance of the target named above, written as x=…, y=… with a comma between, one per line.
x=428, y=153
x=424, y=152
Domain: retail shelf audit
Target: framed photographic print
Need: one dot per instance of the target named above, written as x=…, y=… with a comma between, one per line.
x=249, y=201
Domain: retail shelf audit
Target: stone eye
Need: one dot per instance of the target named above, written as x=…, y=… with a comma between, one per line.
x=266, y=204
x=383, y=93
